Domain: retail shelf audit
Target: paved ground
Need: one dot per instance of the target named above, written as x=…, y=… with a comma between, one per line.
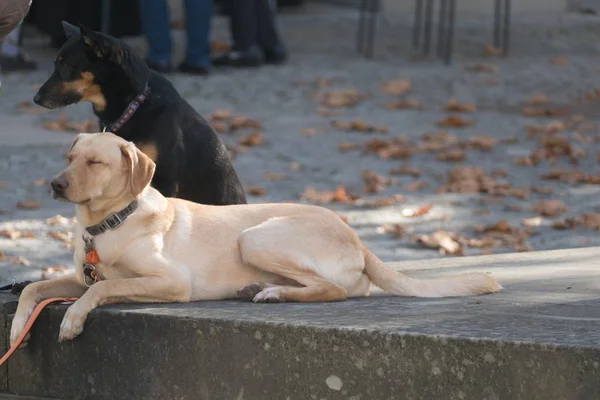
x=554, y=56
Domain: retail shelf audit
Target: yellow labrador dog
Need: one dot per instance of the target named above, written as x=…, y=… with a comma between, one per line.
x=134, y=245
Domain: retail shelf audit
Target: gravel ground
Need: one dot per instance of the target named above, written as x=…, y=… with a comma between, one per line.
x=554, y=56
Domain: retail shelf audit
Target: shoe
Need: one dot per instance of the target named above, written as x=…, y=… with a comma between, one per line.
x=163, y=68
x=16, y=63
x=275, y=56
x=252, y=57
x=188, y=68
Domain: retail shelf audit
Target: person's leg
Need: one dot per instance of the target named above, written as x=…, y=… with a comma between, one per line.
x=268, y=37
x=198, y=14
x=11, y=56
x=242, y=25
x=154, y=16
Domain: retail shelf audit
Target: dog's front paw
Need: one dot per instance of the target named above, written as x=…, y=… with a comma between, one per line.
x=72, y=323
x=269, y=295
x=18, y=324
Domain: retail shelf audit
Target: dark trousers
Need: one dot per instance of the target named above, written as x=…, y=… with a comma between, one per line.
x=252, y=23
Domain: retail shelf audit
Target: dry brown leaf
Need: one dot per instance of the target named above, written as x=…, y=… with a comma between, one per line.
x=444, y=241
x=358, y=126
x=559, y=60
x=219, y=127
x=396, y=230
x=374, y=182
x=340, y=98
x=404, y=105
x=20, y=260
x=326, y=112
x=379, y=202
x=572, y=176
x=28, y=205
x=339, y=196
x=40, y=182
x=567, y=223
x=481, y=67
x=309, y=132
x=58, y=220
x=2, y=256
x=550, y=127
x=241, y=121
x=481, y=143
x=540, y=189
x=62, y=124
x=499, y=173
x=549, y=208
x=455, y=155
x=256, y=191
x=454, y=121
x=15, y=234
x=3, y=184
x=490, y=50
x=532, y=222
x=27, y=107
x=544, y=112
x=273, y=176
x=456, y=106
x=63, y=236
x=591, y=221
x=396, y=87
x=417, y=212
x=415, y=186
x=252, y=140
x=220, y=115
x=406, y=170
x=346, y=146
x=538, y=100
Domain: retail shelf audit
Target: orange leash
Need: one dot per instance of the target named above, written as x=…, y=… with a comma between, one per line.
x=36, y=312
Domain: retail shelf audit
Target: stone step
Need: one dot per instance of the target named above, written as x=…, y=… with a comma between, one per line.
x=538, y=339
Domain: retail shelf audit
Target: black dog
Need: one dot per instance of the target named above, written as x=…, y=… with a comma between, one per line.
x=142, y=106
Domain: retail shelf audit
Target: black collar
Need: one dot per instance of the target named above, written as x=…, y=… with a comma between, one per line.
x=129, y=111
x=113, y=221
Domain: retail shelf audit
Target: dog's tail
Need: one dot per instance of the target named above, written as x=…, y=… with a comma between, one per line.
x=399, y=284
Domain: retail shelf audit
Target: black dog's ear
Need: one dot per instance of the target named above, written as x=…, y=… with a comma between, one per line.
x=100, y=46
x=70, y=30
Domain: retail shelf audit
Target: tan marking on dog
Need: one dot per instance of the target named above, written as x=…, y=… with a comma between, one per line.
x=149, y=149
x=89, y=90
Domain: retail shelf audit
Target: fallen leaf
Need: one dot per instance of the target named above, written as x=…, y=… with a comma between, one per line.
x=396, y=230
x=481, y=67
x=541, y=189
x=379, y=202
x=358, y=125
x=220, y=115
x=406, y=170
x=58, y=220
x=219, y=127
x=404, y=105
x=241, y=121
x=256, y=191
x=454, y=121
x=490, y=50
x=415, y=186
x=15, y=234
x=455, y=155
x=340, y=98
x=272, y=176
x=591, y=221
x=538, y=100
x=40, y=182
x=252, y=140
x=532, y=222
x=481, y=143
x=3, y=184
x=325, y=112
x=444, y=241
x=374, y=182
x=418, y=212
x=339, y=195
x=544, y=112
x=28, y=205
x=559, y=60
x=61, y=123
x=309, y=132
x=567, y=223
x=346, y=146
x=20, y=260
x=456, y=106
x=396, y=87
x=549, y=208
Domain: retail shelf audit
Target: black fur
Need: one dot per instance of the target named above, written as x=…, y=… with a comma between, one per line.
x=192, y=162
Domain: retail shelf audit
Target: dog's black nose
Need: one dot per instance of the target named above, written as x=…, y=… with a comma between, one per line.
x=37, y=98
x=59, y=185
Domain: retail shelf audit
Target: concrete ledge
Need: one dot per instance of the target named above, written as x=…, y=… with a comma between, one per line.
x=539, y=339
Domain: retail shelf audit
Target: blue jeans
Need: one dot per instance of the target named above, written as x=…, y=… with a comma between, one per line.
x=154, y=15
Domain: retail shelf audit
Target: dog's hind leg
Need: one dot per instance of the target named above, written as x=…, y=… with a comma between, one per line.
x=324, y=258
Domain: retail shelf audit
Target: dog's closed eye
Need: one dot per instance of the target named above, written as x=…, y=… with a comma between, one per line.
x=93, y=162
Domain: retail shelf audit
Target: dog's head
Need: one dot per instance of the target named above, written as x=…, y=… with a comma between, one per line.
x=102, y=169
x=84, y=64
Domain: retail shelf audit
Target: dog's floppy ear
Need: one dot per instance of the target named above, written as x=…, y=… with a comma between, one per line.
x=70, y=30
x=140, y=166
x=100, y=46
